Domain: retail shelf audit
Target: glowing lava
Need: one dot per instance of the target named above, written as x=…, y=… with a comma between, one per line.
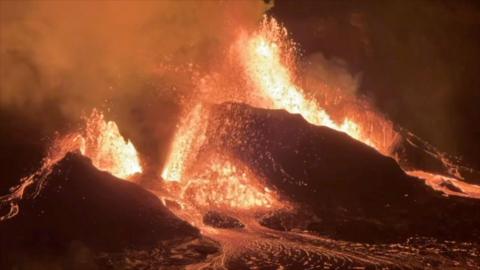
x=222, y=182
x=188, y=138
x=108, y=150
x=447, y=185
x=209, y=180
x=268, y=60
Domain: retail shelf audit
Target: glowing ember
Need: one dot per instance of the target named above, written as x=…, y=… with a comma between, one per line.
x=267, y=57
x=108, y=150
x=188, y=138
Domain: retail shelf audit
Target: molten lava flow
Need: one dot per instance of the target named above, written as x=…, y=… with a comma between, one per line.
x=188, y=138
x=108, y=150
x=447, y=185
x=267, y=57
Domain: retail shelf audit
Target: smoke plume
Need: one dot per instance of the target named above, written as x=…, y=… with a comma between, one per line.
x=135, y=59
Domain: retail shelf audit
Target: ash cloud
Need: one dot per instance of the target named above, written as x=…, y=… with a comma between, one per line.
x=59, y=59
x=333, y=72
x=81, y=53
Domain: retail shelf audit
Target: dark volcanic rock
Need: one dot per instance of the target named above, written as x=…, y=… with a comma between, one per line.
x=357, y=193
x=83, y=208
x=283, y=220
x=220, y=220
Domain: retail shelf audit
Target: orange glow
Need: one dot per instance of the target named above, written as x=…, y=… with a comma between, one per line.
x=267, y=57
x=222, y=182
x=267, y=60
x=188, y=138
x=213, y=180
x=441, y=183
x=108, y=150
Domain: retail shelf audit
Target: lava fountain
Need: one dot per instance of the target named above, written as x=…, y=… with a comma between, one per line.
x=108, y=150
x=187, y=140
x=209, y=179
x=268, y=60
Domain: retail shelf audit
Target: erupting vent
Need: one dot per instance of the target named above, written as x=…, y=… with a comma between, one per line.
x=108, y=150
x=268, y=58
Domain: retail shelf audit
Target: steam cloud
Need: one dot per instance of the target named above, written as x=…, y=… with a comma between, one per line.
x=81, y=53
x=63, y=58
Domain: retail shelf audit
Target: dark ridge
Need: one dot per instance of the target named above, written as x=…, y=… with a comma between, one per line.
x=81, y=206
x=357, y=193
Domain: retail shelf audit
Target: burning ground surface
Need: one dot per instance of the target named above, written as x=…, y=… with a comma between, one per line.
x=271, y=178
